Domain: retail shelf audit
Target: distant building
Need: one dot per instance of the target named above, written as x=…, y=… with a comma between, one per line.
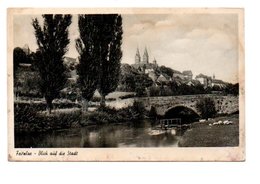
x=177, y=74
x=187, y=74
x=153, y=76
x=154, y=62
x=145, y=57
x=205, y=80
x=26, y=49
x=218, y=83
x=144, y=65
x=137, y=57
x=163, y=79
x=71, y=64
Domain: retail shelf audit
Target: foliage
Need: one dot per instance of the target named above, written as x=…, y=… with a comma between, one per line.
x=19, y=56
x=134, y=81
x=41, y=105
x=206, y=107
x=104, y=114
x=153, y=112
x=154, y=91
x=88, y=48
x=28, y=119
x=110, y=40
x=232, y=89
x=100, y=52
x=142, y=81
x=166, y=70
x=52, y=40
x=138, y=110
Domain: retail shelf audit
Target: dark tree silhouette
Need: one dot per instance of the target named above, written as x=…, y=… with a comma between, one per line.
x=110, y=38
x=89, y=63
x=206, y=107
x=19, y=56
x=99, y=47
x=52, y=40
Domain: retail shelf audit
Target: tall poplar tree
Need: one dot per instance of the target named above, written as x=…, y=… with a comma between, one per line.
x=87, y=46
x=100, y=52
x=111, y=54
x=52, y=39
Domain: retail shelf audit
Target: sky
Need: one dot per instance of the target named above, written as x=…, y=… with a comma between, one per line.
x=202, y=43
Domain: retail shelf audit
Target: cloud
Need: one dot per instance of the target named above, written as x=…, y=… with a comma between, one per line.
x=164, y=23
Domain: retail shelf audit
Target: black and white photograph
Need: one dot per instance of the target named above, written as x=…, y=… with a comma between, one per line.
x=126, y=84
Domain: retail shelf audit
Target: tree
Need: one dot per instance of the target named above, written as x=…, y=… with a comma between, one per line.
x=89, y=63
x=166, y=70
x=206, y=107
x=232, y=89
x=142, y=81
x=110, y=27
x=52, y=40
x=19, y=56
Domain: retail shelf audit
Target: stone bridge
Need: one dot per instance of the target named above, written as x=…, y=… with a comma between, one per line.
x=223, y=104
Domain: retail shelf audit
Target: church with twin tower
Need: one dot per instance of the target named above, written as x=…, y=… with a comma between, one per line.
x=144, y=65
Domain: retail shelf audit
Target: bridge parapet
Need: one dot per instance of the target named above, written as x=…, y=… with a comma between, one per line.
x=223, y=104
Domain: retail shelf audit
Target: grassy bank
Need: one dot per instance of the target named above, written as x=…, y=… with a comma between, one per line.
x=205, y=134
x=31, y=119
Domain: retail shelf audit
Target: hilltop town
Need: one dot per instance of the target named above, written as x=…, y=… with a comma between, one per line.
x=144, y=77
x=143, y=65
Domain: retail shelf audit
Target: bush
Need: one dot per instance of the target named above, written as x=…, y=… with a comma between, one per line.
x=206, y=107
x=153, y=112
x=41, y=106
x=28, y=119
x=154, y=91
x=127, y=96
x=138, y=109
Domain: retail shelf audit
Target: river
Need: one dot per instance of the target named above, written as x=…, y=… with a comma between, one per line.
x=118, y=135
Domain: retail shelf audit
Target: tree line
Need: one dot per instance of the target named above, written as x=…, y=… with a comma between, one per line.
x=99, y=48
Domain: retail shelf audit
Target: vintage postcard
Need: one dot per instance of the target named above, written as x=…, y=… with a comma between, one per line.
x=126, y=84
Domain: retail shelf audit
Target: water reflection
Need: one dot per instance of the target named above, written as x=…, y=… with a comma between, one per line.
x=123, y=135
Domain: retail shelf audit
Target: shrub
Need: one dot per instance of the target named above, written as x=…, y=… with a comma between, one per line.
x=28, y=119
x=127, y=96
x=138, y=109
x=24, y=117
x=154, y=91
x=153, y=112
x=206, y=107
x=41, y=106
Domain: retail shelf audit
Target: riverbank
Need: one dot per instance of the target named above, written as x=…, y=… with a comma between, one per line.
x=29, y=119
x=212, y=133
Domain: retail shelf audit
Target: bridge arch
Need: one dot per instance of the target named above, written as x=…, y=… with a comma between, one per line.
x=187, y=114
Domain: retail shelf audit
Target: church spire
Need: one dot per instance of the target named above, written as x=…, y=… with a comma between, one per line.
x=137, y=56
x=145, y=56
x=154, y=62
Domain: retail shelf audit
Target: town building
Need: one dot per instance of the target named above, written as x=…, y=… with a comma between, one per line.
x=185, y=75
x=26, y=49
x=218, y=83
x=205, y=80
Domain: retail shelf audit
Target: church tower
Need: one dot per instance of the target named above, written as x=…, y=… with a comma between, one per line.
x=137, y=57
x=145, y=57
x=154, y=62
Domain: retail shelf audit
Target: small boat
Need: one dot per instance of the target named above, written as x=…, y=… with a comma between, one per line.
x=156, y=132
x=162, y=131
